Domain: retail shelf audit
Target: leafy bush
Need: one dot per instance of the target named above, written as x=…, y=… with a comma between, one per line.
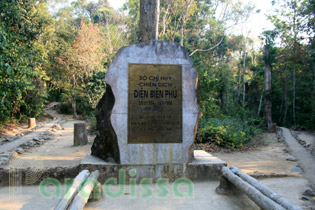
x=87, y=98
x=82, y=107
x=22, y=90
x=227, y=132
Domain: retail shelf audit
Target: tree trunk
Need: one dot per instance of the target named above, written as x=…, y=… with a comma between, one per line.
x=183, y=23
x=255, y=195
x=135, y=25
x=266, y=191
x=164, y=19
x=260, y=102
x=244, y=71
x=268, y=105
x=74, y=107
x=239, y=81
x=285, y=103
x=149, y=20
x=294, y=95
x=82, y=197
x=314, y=86
x=66, y=200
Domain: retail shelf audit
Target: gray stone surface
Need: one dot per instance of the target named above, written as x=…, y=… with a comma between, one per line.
x=304, y=158
x=153, y=52
x=203, y=167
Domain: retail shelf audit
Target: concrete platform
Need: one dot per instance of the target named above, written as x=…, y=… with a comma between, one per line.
x=203, y=167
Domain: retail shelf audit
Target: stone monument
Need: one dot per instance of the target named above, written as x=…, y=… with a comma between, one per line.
x=148, y=117
x=151, y=106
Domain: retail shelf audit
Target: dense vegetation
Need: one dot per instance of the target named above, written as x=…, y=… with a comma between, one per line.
x=62, y=54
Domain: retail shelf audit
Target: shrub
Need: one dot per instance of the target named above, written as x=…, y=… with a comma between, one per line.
x=227, y=132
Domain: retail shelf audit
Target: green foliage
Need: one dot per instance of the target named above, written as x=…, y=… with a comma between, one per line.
x=64, y=55
x=22, y=92
x=87, y=98
x=227, y=132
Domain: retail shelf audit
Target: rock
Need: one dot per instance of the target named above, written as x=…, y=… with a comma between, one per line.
x=57, y=127
x=302, y=142
x=309, y=192
x=18, y=135
x=25, y=147
x=9, y=139
x=285, y=150
x=36, y=139
x=174, y=144
x=307, y=198
x=293, y=159
x=297, y=169
x=19, y=150
x=5, y=158
x=31, y=143
x=48, y=133
x=105, y=144
x=26, y=132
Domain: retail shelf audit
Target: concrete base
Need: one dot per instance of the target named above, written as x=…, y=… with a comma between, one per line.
x=203, y=167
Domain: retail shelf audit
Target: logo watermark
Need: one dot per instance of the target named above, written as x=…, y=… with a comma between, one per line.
x=180, y=188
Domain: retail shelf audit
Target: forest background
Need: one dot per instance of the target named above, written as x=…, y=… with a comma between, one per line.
x=51, y=50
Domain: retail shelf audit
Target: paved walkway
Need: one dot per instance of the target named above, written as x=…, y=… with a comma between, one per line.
x=305, y=160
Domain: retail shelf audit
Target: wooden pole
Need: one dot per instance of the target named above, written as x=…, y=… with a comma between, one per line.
x=31, y=123
x=255, y=195
x=68, y=197
x=83, y=196
x=269, y=193
x=80, y=134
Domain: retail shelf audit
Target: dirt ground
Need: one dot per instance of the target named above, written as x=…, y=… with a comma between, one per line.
x=269, y=159
x=270, y=162
x=60, y=150
x=57, y=151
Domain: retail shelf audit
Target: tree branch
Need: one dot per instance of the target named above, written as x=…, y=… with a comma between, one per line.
x=211, y=48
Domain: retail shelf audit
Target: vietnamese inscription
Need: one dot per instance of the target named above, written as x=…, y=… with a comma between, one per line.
x=154, y=103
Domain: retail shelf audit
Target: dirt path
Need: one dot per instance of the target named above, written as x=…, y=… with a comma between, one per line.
x=58, y=152
x=272, y=159
x=38, y=133
x=309, y=138
x=56, y=145
x=269, y=160
x=305, y=159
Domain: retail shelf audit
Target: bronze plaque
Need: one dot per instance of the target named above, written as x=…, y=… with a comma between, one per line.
x=154, y=103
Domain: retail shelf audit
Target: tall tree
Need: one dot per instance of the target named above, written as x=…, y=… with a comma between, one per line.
x=149, y=20
x=82, y=59
x=268, y=53
x=22, y=91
